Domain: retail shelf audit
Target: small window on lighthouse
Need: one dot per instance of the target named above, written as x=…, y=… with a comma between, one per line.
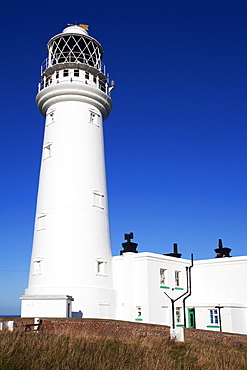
x=47, y=151
x=98, y=200
x=76, y=73
x=94, y=118
x=101, y=267
x=41, y=222
x=50, y=117
x=37, y=268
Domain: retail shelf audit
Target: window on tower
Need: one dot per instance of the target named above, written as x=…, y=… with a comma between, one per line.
x=50, y=117
x=76, y=73
x=87, y=75
x=48, y=81
x=94, y=117
x=47, y=151
x=41, y=221
x=101, y=267
x=37, y=266
x=102, y=85
x=65, y=73
x=98, y=200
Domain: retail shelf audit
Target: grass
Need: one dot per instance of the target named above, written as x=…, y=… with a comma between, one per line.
x=40, y=351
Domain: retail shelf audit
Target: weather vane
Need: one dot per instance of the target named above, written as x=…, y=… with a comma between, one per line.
x=84, y=26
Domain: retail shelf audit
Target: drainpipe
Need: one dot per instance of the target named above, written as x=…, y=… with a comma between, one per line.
x=188, y=288
x=219, y=308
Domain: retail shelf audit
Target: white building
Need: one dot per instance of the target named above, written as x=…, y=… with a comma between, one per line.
x=207, y=294
x=72, y=271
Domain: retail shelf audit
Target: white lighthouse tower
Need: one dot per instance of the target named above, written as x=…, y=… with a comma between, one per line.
x=71, y=259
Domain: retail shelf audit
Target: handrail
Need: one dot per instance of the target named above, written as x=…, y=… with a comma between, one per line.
x=75, y=57
x=99, y=84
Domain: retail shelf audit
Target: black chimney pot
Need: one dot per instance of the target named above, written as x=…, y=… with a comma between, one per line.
x=221, y=251
x=175, y=252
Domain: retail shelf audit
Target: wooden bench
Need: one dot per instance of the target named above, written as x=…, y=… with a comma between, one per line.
x=28, y=327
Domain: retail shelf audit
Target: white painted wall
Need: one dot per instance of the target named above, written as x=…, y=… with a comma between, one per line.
x=71, y=252
x=220, y=281
x=45, y=306
x=137, y=283
x=217, y=281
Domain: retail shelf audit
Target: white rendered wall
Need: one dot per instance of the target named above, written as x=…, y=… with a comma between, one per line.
x=137, y=283
x=214, y=282
x=73, y=236
x=45, y=307
x=220, y=282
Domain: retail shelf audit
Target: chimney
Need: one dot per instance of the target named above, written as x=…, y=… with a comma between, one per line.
x=221, y=251
x=129, y=246
x=175, y=252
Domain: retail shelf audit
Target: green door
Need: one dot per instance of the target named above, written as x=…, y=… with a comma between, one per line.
x=191, y=318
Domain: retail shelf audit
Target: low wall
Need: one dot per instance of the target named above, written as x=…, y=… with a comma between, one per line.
x=104, y=327
x=215, y=336
x=120, y=329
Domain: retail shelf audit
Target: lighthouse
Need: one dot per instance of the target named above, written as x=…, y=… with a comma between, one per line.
x=71, y=261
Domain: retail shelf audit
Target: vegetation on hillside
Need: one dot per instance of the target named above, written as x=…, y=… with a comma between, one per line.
x=65, y=351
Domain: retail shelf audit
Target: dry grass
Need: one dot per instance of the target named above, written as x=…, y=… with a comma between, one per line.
x=40, y=351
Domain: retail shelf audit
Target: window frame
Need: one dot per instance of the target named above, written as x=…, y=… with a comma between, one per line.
x=178, y=315
x=214, y=316
x=94, y=117
x=47, y=151
x=163, y=276
x=100, y=267
x=177, y=278
x=41, y=221
x=98, y=199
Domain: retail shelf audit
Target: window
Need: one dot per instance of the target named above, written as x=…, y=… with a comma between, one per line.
x=57, y=74
x=50, y=117
x=94, y=117
x=177, y=280
x=48, y=81
x=76, y=73
x=94, y=79
x=65, y=73
x=101, y=267
x=41, y=222
x=102, y=85
x=37, y=266
x=162, y=276
x=214, y=317
x=86, y=75
x=138, y=313
x=47, y=151
x=98, y=200
x=178, y=315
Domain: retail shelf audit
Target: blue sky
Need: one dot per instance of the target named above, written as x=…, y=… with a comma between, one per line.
x=175, y=141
